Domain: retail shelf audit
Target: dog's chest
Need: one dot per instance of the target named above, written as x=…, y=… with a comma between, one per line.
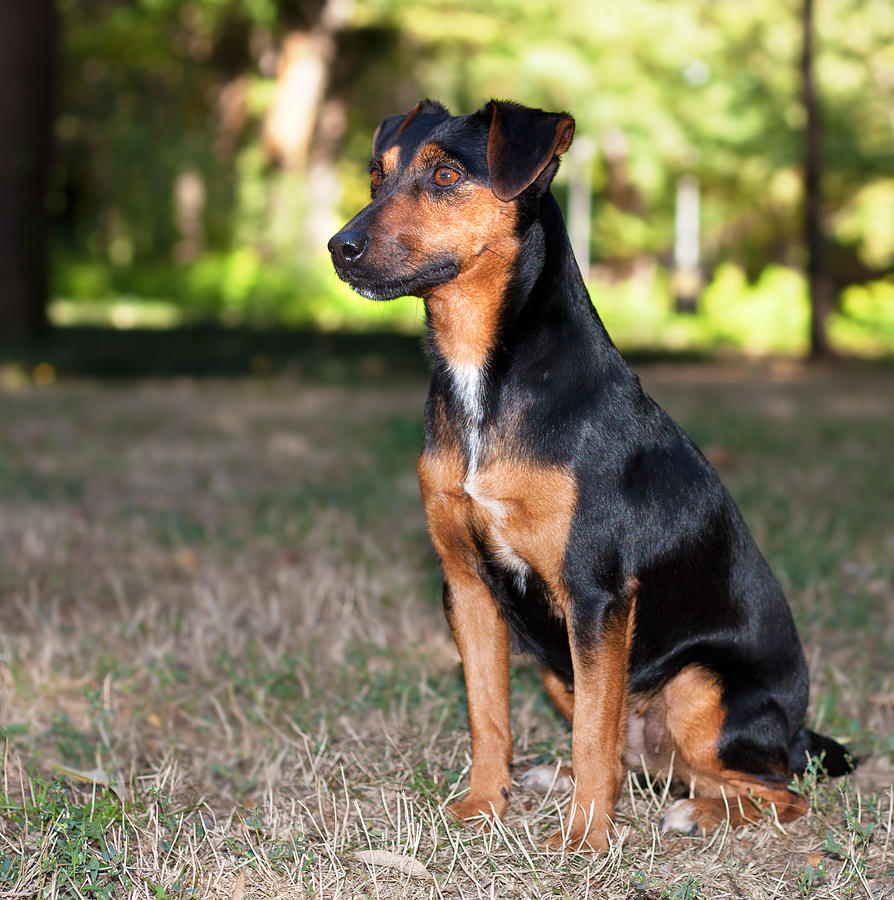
x=516, y=514
x=496, y=514
x=467, y=386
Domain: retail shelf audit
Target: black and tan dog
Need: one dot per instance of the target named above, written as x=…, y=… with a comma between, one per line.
x=570, y=514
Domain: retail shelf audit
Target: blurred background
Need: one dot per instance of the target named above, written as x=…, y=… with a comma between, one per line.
x=181, y=163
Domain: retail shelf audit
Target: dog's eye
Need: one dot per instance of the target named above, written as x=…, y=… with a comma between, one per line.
x=445, y=176
x=375, y=177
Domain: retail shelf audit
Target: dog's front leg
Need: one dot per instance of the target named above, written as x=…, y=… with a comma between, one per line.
x=600, y=652
x=482, y=637
x=481, y=634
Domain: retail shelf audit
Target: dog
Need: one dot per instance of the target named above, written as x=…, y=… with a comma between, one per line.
x=573, y=519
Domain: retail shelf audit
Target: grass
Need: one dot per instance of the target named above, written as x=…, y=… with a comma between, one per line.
x=224, y=671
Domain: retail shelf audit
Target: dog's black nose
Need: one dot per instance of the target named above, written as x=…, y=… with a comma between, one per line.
x=348, y=246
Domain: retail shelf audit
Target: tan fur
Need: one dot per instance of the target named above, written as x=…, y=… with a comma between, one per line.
x=475, y=229
x=680, y=725
x=598, y=730
x=695, y=717
x=481, y=635
x=745, y=803
x=428, y=156
x=390, y=159
x=527, y=512
x=520, y=509
x=558, y=692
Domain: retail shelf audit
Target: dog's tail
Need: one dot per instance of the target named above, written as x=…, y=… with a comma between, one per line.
x=835, y=759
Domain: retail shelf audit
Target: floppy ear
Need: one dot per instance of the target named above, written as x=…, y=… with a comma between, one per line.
x=389, y=129
x=521, y=143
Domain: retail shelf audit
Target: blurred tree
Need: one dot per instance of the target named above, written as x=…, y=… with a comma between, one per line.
x=712, y=89
x=27, y=70
x=818, y=284
x=297, y=123
x=305, y=56
x=204, y=143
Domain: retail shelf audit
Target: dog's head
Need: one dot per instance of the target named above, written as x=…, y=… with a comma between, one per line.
x=445, y=190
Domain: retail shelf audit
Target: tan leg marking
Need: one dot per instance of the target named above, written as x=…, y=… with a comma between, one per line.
x=695, y=717
x=598, y=731
x=746, y=802
x=523, y=514
x=558, y=693
x=481, y=636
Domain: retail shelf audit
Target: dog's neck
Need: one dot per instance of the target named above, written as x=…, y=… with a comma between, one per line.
x=527, y=284
x=520, y=315
x=464, y=322
x=463, y=315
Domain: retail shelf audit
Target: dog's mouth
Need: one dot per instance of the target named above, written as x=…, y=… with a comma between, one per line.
x=376, y=284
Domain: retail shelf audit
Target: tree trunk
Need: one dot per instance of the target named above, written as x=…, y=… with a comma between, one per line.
x=580, y=187
x=818, y=283
x=301, y=83
x=27, y=50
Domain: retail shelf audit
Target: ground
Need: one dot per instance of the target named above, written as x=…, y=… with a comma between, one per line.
x=224, y=670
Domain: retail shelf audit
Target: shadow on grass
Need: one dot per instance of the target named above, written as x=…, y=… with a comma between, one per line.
x=215, y=351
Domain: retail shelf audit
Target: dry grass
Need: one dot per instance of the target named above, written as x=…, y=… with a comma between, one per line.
x=218, y=597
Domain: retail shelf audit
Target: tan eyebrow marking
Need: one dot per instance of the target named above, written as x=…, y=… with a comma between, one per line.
x=428, y=155
x=390, y=158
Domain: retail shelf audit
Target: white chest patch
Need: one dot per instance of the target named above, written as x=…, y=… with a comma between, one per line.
x=495, y=517
x=467, y=384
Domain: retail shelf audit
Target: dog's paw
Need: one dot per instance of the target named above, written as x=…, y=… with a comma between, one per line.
x=479, y=807
x=546, y=779
x=682, y=816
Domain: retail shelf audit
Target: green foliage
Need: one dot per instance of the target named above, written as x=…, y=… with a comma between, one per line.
x=80, y=854
x=808, y=877
x=710, y=89
x=686, y=890
x=865, y=318
x=867, y=220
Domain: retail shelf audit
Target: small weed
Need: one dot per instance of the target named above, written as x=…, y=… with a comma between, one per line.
x=687, y=889
x=810, y=784
x=12, y=730
x=72, y=745
x=809, y=877
x=831, y=845
x=425, y=783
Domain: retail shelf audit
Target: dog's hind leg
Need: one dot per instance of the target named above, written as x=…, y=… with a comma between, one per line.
x=547, y=778
x=559, y=692
x=696, y=715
